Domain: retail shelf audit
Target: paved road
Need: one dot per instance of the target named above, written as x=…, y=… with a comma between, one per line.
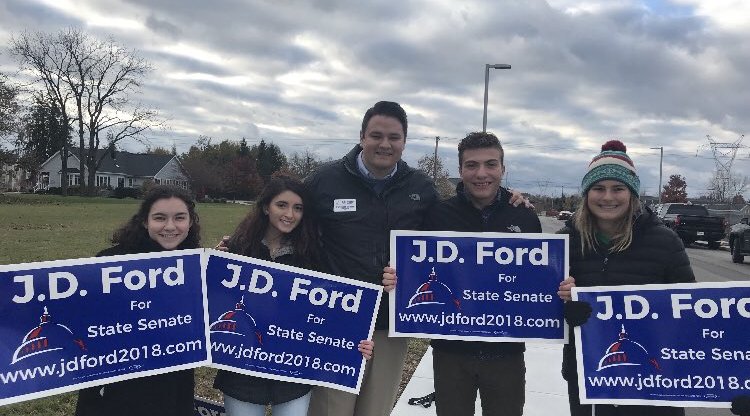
x=708, y=266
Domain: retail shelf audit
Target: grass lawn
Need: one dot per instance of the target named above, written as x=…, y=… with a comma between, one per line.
x=44, y=227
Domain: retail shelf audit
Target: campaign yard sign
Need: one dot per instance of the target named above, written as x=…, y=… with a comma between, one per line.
x=683, y=345
x=206, y=407
x=478, y=286
x=70, y=324
x=286, y=323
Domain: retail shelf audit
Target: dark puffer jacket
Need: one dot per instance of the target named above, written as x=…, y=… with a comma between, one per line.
x=169, y=394
x=356, y=241
x=258, y=390
x=458, y=214
x=656, y=255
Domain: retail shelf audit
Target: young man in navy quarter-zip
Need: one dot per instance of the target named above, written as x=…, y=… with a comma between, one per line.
x=495, y=369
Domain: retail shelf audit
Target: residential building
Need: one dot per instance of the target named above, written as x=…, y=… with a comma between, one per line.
x=124, y=170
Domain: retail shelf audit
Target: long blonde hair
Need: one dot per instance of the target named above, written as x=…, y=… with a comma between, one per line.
x=585, y=223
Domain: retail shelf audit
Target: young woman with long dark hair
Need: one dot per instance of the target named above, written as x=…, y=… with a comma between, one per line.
x=166, y=220
x=279, y=229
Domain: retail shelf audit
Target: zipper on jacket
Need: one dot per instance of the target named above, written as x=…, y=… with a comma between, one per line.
x=604, y=263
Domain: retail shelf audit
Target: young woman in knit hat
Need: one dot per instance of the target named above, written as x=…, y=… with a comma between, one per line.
x=615, y=240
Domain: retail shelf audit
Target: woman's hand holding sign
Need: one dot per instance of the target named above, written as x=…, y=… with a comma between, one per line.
x=365, y=347
x=565, y=286
x=389, y=278
x=223, y=244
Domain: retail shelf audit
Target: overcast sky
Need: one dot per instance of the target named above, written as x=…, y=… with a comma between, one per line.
x=301, y=73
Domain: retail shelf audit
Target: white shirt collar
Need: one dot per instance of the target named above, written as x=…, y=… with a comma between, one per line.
x=366, y=173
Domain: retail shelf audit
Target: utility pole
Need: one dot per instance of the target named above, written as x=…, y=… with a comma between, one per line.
x=434, y=161
x=661, y=164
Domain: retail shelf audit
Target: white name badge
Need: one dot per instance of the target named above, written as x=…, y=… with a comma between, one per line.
x=344, y=205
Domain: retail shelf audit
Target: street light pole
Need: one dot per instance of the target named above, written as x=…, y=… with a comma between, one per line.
x=486, y=85
x=661, y=160
x=434, y=161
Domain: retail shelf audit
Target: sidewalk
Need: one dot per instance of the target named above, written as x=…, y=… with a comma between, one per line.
x=546, y=392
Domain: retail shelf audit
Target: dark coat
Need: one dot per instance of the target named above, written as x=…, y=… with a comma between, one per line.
x=458, y=214
x=169, y=394
x=656, y=255
x=356, y=243
x=258, y=390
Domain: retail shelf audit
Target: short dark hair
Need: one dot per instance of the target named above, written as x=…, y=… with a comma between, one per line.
x=479, y=140
x=134, y=235
x=388, y=109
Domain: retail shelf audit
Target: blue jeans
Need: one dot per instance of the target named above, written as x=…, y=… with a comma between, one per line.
x=296, y=407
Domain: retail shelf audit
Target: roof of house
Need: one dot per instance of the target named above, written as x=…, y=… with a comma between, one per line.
x=132, y=164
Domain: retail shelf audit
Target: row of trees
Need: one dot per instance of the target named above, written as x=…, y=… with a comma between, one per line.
x=234, y=169
x=81, y=87
x=721, y=191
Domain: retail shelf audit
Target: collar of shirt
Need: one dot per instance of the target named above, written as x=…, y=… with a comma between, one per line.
x=366, y=173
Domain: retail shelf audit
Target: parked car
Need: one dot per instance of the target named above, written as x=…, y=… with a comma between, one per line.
x=564, y=215
x=739, y=241
x=551, y=213
x=693, y=222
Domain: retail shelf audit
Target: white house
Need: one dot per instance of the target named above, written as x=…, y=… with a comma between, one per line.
x=126, y=170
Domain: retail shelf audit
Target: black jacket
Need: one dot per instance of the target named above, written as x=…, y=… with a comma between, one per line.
x=656, y=255
x=356, y=242
x=458, y=214
x=261, y=390
x=168, y=394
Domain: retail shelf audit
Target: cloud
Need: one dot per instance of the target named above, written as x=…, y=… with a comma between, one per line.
x=302, y=73
x=163, y=26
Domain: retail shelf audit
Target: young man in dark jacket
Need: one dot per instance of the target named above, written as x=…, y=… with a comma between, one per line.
x=358, y=200
x=496, y=369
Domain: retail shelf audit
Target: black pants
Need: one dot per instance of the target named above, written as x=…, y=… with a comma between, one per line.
x=501, y=382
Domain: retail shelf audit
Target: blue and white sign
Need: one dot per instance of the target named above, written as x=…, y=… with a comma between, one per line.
x=478, y=286
x=683, y=345
x=286, y=323
x=70, y=324
x=206, y=407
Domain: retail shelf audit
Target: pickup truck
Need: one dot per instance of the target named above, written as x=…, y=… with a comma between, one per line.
x=739, y=241
x=692, y=222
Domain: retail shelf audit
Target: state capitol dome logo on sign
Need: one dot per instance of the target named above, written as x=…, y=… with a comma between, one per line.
x=626, y=352
x=45, y=338
x=237, y=322
x=434, y=292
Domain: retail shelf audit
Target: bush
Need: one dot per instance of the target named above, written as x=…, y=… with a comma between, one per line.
x=72, y=190
x=121, y=193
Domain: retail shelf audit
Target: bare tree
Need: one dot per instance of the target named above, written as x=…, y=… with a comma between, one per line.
x=722, y=189
x=109, y=83
x=303, y=164
x=99, y=79
x=49, y=62
x=429, y=165
x=9, y=107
